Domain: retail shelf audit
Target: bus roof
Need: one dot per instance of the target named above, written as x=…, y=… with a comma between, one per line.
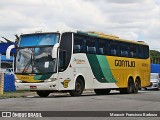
x=109, y=36
x=94, y=34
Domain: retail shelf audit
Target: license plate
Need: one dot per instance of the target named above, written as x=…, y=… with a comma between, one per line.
x=33, y=87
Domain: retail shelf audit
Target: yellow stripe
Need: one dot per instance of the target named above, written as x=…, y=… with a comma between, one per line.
x=27, y=78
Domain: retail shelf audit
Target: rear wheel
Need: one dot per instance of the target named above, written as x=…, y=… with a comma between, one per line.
x=129, y=89
x=137, y=86
x=79, y=87
x=43, y=93
x=102, y=91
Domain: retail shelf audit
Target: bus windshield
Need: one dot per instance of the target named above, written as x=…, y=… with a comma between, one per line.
x=38, y=39
x=34, y=55
x=36, y=60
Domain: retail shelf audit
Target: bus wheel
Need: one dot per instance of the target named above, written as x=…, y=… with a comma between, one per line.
x=102, y=91
x=136, y=87
x=79, y=87
x=129, y=89
x=43, y=93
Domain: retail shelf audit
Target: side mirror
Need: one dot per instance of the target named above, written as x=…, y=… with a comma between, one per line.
x=8, y=51
x=54, y=50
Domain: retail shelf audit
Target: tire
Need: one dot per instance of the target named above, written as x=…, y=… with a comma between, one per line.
x=43, y=93
x=102, y=91
x=129, y=89
x=136, y=87
x=79, y=87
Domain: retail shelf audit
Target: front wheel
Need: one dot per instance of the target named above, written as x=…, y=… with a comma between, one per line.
x=43, y=93
x=79, y=87
x=129, y=89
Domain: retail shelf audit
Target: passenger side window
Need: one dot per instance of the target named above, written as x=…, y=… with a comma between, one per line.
x=146, y=52
x=140, y=51
x=91, y=46
x=78, y=46
x=114, y=49
x=133, y=51
x=143, y=51
x=101, y=47
x=124, y=49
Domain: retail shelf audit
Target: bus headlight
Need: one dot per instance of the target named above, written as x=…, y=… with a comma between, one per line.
x=50, y=80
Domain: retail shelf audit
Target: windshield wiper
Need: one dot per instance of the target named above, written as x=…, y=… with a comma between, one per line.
x=27, y=66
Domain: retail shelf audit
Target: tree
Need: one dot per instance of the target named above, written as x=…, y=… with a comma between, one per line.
x=17, y=38
x=10, y=41
x=155, y=56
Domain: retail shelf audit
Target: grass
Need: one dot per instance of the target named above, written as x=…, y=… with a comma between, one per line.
x=16, y=94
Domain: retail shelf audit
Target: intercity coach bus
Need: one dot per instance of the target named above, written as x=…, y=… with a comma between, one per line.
x=74, y=61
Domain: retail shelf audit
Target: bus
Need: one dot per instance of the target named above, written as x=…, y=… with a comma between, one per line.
x=76, y=61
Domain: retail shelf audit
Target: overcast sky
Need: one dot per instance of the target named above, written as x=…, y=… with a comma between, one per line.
x=129, y=19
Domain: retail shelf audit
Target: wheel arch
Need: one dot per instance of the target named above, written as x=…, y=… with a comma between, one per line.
x=81, y=77
x=79, y=86
x=130, y=78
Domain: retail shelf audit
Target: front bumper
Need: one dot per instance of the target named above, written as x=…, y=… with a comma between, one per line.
x=36, y=86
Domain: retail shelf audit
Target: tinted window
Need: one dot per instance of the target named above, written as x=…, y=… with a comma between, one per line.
x=133, y=51
x=101, y=47
x=66, y=48
x=39, y=39
x=114, y=49
x=145, y=52
x=91, y=45
x=124, y=49
x=140, y=51
x=108, y=51
x=78, y=44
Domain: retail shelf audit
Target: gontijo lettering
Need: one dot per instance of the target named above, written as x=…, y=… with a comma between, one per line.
x=125, y=63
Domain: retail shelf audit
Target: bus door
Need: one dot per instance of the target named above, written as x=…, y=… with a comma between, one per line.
x=65, y=73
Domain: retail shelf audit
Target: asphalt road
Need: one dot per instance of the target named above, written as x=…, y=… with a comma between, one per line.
x=143, y=101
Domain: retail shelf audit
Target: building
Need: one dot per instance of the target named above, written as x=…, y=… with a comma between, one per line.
x=5, y=63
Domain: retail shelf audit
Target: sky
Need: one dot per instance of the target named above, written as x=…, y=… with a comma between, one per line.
x=137, y=20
